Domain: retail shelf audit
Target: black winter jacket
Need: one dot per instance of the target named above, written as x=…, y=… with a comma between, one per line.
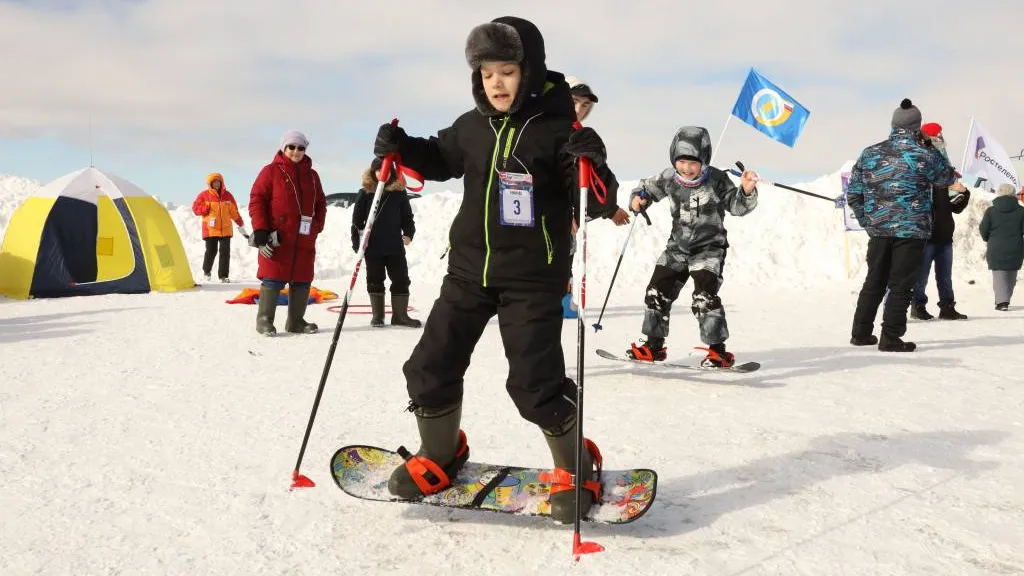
x=530, y=140
x=942, y=214
x=394, y=218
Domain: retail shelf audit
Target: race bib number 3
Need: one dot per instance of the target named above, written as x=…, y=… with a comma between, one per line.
x=516, y=192
x=306, y=225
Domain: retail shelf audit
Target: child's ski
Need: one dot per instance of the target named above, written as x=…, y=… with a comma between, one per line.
x=744, y=368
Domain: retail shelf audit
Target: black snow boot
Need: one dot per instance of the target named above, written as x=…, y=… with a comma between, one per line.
x=443, y=451
x=562, y=443
x=894, y=344
x=717, y=357
x=266, y=310
x=651, y=351
x=298, y=298
x=377, y=308
x=869, y=340
x=920, y=312
x=947, y=311
x=1003, y=306
x=400, y=312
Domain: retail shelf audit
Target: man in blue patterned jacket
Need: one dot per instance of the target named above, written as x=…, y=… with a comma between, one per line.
x=890, y=193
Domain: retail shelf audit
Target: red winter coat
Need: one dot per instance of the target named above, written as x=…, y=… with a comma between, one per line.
x=283, y=190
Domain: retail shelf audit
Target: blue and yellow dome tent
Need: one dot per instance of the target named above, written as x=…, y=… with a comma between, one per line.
x=89, y=233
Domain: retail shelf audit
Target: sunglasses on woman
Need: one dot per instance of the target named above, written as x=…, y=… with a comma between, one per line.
x=294, y=147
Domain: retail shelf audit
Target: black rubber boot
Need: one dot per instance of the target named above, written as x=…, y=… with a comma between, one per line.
x=442, y=444
x=947, y=311
x=377, y=307
x=298, y=298
x=266, y=310
x=869, y=340
x=400, y=312
x=562, y=444
x=893, y=344
x=920, y=312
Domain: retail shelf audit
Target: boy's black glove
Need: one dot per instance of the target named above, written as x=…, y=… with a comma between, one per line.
x=389, y=137
x=587, y=144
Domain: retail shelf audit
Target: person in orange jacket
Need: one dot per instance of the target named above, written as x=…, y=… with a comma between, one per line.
x=218, y=208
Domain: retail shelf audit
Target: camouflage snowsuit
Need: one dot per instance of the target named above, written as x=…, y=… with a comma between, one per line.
x=698, y=243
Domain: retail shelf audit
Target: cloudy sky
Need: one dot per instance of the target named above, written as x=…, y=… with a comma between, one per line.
x=164, y=91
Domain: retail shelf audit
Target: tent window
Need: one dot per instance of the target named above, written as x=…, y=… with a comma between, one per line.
x=163, y=252
x=104, y=246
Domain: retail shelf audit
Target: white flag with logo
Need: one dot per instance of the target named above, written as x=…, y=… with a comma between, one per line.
x=986, y=158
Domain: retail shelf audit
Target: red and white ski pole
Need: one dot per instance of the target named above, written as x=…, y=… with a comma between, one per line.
x=390, y=161
x=586, y=175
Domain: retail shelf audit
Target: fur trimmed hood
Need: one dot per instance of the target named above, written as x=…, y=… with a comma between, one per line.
x=370, y=182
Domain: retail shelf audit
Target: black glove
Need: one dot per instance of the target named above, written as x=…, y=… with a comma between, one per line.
x=388, y=139
x=588, y=144
x=260, y=237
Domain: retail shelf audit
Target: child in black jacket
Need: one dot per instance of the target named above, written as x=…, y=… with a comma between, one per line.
x=393, y=230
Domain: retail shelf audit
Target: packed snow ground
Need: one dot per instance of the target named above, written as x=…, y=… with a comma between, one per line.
x=156, y=434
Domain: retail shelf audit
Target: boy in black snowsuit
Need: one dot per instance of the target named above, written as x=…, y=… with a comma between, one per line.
x=517, y=153
x=700, y=195
x=393, y=229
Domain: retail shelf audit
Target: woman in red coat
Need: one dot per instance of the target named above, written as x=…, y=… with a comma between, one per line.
x=287, y=207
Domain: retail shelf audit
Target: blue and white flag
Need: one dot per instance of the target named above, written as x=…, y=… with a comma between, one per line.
x=768, y=109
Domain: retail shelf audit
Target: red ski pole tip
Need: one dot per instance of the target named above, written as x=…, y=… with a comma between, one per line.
x=579, y=547
x=300, y=481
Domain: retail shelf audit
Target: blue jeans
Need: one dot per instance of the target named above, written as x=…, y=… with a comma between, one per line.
x=942, y=256
x=279, y=284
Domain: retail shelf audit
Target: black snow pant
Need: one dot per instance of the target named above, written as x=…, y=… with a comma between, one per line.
x=663, y=290
x=530, y=323
x=893, y=264
x=397, y=268
x=213, y=245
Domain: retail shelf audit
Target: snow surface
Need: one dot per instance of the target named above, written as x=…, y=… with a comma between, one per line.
x=156, y=434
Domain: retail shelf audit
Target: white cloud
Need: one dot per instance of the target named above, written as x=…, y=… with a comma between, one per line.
x=190, y=79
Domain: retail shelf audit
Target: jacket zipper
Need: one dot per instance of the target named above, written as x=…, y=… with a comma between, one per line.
x=547, y=238
x=487, y=197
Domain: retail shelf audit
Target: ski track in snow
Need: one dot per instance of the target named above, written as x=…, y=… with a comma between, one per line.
x=156, y=434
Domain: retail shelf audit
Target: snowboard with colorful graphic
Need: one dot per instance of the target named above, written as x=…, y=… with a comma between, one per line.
x=363, y=472
x=740, y=368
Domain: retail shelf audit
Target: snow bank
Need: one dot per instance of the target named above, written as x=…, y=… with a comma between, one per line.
x=789, y=240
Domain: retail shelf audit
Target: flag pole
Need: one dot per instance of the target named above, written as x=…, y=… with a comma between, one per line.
x=720, y=138
x=967, y=146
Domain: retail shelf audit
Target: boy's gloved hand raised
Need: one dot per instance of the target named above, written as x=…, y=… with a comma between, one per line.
x=586, y=143
x=389, y=137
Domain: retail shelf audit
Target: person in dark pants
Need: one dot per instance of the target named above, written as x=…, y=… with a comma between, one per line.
x=939, y=248
x=218, y=209
x=393, y=230
x=517, y=154
x=890, y=193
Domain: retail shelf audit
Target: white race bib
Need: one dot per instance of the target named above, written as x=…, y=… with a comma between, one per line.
x=516, y=193
x=306, y=225
x=212, y=221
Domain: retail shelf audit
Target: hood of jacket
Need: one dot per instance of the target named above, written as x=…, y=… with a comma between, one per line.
x=691, y=141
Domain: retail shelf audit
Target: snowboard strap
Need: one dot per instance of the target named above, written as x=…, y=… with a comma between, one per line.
x=489, y=487
x=427, y=474
x=561, y=479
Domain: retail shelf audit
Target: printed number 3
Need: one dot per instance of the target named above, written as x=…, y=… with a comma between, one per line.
x=517, y=208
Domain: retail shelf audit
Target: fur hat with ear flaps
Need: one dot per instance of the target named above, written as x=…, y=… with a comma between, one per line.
x=507, y=39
